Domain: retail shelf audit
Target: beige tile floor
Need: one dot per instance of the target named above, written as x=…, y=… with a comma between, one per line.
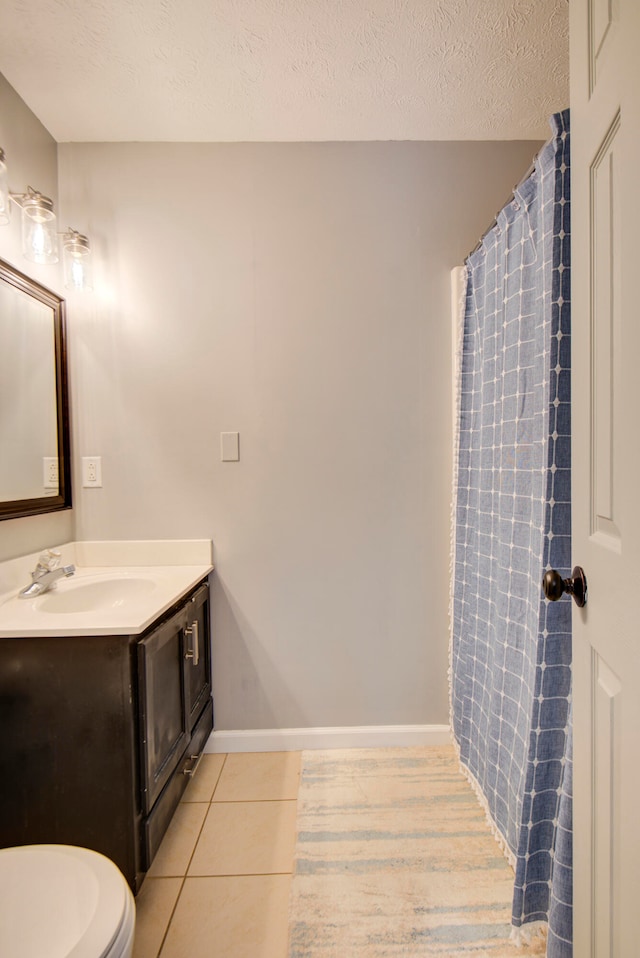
x=219, y=885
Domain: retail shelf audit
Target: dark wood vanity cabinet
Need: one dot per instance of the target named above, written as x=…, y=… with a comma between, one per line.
x=99, y=735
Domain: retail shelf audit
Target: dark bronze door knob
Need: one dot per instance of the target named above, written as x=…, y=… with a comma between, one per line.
x=555, y=586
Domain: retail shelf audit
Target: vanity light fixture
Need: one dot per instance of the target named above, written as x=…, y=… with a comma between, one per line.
x=39, y=234
x=76, y=260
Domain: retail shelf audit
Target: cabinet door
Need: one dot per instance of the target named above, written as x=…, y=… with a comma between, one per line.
x=197, y=654
x=164, y=721
x=68, y=746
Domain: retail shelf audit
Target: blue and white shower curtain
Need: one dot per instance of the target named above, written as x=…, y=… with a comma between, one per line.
x=510, y=647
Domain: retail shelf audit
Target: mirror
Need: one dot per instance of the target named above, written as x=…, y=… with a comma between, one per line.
x=35, y=459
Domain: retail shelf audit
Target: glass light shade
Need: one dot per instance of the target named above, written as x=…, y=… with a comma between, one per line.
x=4, y=190
x=39, y=236
x=77, y=261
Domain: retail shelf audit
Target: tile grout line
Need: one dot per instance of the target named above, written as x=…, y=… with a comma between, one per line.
x=184, y=877
x=250, y=801
x=243, y=875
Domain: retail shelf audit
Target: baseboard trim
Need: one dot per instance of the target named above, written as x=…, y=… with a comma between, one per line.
x=294, y=739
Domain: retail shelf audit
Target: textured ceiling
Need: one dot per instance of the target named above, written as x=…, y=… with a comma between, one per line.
x=238, y=70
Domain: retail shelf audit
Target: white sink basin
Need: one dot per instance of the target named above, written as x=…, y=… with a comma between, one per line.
x=97, y=596
x=119, y=600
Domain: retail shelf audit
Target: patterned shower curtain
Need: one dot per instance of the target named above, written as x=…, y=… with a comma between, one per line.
x=510, y=647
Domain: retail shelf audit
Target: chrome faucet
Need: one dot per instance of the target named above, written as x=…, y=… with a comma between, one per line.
x=45, y=575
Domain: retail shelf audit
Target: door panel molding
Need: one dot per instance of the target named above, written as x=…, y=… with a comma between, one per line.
x=605, y=738
x=601, y=22
x=605, y=338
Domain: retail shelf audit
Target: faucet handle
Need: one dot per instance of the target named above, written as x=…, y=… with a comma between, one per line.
x=49, y=560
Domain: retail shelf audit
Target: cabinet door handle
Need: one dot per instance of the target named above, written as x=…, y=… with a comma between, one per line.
x=196, y=759
x=193, y=633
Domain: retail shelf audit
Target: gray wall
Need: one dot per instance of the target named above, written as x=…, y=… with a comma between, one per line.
x=297, y=293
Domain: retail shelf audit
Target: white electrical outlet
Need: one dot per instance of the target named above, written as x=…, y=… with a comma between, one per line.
x=50, y=472
x=91, y=471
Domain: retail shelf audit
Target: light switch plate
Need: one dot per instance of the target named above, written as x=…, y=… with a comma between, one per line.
x=230, y=446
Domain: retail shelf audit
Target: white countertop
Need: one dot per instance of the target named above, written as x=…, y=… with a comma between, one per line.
x=137, y=591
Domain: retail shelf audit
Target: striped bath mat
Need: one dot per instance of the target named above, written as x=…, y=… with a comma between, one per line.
x=394, y=857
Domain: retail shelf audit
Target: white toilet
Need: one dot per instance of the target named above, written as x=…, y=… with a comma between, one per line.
x=59, y=901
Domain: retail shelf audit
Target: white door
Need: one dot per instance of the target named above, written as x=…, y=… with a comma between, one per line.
x=605, y=314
